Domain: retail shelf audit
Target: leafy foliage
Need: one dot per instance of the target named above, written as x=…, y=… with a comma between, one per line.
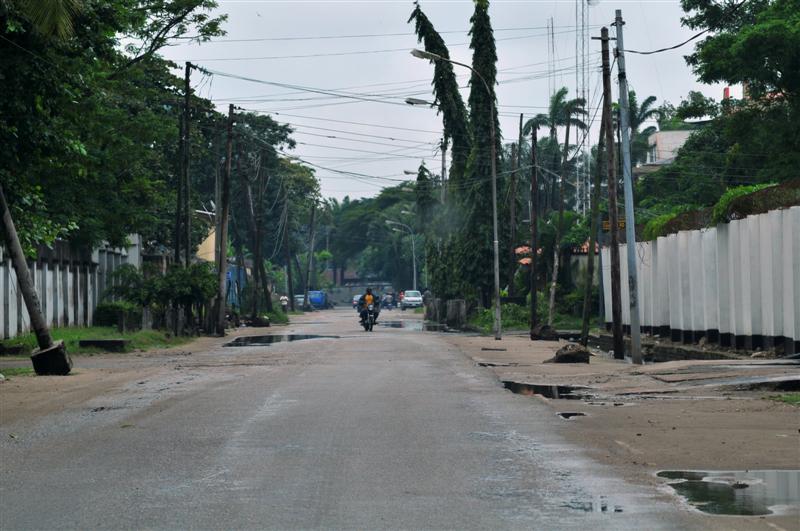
x=720, y=212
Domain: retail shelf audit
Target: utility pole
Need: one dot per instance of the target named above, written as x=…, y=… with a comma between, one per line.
x=287, y=252
x=222, y=267
x=512, y=211
x=630, y=225
x=616, y=299
x=179, y=205
x=185, y=164
x=533, y=213
x=593, y=223
x=310, y=259
x=444, y=168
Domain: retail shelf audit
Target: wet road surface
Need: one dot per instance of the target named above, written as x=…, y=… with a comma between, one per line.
x=383, y=430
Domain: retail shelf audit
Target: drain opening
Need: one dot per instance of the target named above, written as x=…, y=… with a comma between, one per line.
x=561, y=392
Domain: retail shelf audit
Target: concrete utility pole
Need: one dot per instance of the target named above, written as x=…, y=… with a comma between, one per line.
x=288, y=252
x=444, y=168
x=310, y=259
x=533, y=213
x=185, y=164
x=630, y=224
x=222, y=267
x=616, y=299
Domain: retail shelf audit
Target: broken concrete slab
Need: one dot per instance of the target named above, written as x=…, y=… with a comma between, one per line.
x=52, y=361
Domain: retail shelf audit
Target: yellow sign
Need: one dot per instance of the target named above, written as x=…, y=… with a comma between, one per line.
x=607, y=224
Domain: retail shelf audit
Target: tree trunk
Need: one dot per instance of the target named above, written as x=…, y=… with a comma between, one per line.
x=24, y=280
x=594, y=222
x=557, y=243
x=512, y=257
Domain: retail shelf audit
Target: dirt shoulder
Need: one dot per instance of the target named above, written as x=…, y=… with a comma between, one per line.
x=701, y=415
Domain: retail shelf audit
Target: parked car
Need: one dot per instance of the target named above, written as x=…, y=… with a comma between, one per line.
x=355, y=300
x=412, y=299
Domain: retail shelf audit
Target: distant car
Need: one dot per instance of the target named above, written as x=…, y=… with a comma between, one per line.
x=412, y=299
x=355, y=300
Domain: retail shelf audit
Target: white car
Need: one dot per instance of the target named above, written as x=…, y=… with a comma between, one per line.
x=412, y=299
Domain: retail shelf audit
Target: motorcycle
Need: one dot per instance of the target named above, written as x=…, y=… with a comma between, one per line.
x=369, y=319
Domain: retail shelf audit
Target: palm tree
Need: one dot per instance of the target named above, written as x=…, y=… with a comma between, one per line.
x=639, y=114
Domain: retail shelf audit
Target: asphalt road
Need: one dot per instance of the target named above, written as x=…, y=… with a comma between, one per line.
x=393, y=429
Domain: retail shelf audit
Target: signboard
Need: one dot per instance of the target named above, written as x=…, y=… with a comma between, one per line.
x=607, y=224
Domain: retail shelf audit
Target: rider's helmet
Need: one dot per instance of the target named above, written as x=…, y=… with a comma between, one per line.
x=369, y=291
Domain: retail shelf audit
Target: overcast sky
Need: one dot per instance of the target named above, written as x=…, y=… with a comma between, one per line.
x=362, y=49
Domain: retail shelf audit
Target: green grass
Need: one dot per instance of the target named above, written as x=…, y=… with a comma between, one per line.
x=787, y=398
x=419, y=310
x=140, y=340
x=516, y=317
x=278, y=317
x=17, y=371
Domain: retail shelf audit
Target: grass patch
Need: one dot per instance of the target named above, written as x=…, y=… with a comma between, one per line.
x=515, y=317
x=419, y=310
x=17, y=371
x=787, y=398
x=140, y=340
x=278, y=317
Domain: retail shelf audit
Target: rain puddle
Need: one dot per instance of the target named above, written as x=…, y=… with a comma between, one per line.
x=599, y=505
x=262, y=341
x=416, y=325
x=740, y=492
x=562, y=392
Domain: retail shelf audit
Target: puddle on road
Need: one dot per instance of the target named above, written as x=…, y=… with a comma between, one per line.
x=416, y=325
x=738, y=493
x=262, y=341
x=599, y=505
x=561, y=392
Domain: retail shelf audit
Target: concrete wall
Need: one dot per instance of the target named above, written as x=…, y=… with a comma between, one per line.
x=737, y=284
x=69, y=286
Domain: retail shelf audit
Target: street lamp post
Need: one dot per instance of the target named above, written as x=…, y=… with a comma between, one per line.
x=436, y=57
x=442, y=191
x=413, y=248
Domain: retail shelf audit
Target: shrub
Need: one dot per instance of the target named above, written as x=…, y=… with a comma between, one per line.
x=108, y=313
x=721, y=211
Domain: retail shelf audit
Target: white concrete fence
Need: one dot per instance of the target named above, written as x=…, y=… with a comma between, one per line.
x=737, y=284
x=69, y=285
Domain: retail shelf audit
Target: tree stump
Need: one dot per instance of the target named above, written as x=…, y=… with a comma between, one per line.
x=52, y=361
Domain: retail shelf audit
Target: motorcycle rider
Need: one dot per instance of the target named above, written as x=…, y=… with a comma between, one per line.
x=364, y=302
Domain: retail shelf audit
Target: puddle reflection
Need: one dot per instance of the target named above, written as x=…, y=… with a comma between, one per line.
x=740, y=493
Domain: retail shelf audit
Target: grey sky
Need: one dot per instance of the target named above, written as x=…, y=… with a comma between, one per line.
x=404, y=135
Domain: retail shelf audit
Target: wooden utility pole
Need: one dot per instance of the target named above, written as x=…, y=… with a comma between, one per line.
x=616, y=299
x=593, y=224
x=222, y=266
x=512, y=211
x=310, y=259
x=534, y=212
x=179, y=205
x=630, y=223
x=185, y=165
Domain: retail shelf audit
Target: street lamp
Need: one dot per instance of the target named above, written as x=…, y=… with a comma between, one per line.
x=436, y=57
x=417, y=101
x=413, y=249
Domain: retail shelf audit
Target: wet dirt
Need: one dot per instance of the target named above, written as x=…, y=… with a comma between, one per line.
x=738, y=492
x=262, y=341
